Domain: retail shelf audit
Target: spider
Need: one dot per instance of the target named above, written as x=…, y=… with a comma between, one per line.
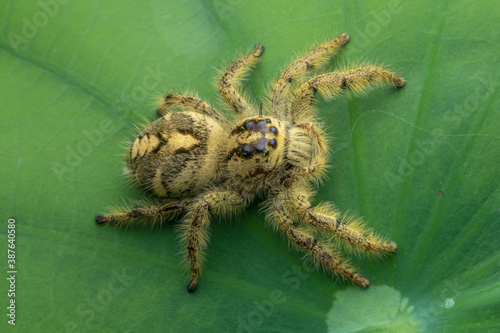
x=201, y=164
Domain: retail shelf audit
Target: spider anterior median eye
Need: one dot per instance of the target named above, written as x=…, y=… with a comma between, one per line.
x=260, y=144
x=249, y=125
x=246, y=151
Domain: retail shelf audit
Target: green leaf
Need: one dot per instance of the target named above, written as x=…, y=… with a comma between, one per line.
x=419, y=164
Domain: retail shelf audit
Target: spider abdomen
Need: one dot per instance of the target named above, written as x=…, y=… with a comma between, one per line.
x=176, y=155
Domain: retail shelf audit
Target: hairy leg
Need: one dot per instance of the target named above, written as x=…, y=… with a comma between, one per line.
x=324, y=218
x=233, y=76
x=332, y=84
x=281, y=218
x=167, y=210
x=195, y=226
x=280, y=98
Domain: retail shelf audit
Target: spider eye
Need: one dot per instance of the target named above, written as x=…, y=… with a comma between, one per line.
x=272, y=143
x=249, y=125
x=246, y=151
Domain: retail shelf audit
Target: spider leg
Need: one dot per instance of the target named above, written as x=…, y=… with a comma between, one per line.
x=280, y=96
x=282, y=219
x=194, y=228
x=231, y=78
x=324, y=218
x=332, y=84
x=167, y=210
x=189, y=103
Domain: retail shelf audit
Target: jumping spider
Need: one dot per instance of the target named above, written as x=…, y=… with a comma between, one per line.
x=201, y=163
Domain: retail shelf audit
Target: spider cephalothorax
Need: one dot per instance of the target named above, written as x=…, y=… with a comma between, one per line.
x=254, y=148
x=200, y=163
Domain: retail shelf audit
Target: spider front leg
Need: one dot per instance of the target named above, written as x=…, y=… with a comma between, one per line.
x=332, y=84
x=167, y=210
x=280, y=217
x=280, y=98
x=195, y=225
x=231, y=78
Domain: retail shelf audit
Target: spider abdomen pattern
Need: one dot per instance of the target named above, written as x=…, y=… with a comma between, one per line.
x=177, y=155
x=198, y=163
